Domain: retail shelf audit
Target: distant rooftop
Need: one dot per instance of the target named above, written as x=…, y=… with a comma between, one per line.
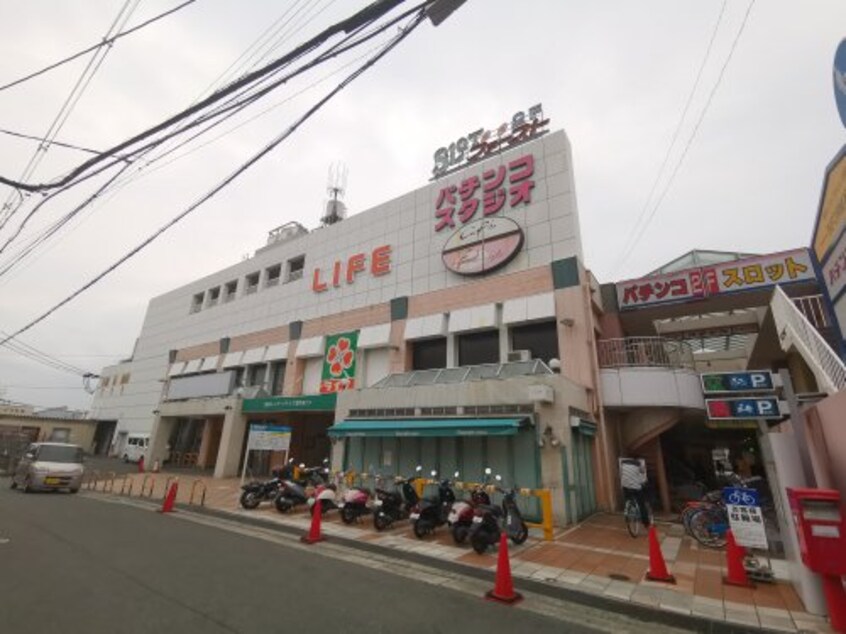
x=697, y=258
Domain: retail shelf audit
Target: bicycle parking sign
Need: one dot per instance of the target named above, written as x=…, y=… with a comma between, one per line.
x=745, y=517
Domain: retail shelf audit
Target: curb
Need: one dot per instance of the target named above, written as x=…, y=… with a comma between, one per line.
x=640, y=612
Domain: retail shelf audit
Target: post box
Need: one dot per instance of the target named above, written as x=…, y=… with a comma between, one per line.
x=821, y=529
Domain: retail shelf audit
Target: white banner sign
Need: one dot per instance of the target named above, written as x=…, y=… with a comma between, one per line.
x=747, y=526
x=269, y=438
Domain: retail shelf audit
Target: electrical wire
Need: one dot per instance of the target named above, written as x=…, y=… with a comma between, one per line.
x=108, y=41
x=625, y=253
x=405, y=32
x=690, y=140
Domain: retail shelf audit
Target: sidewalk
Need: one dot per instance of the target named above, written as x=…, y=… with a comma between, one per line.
x=597, y=557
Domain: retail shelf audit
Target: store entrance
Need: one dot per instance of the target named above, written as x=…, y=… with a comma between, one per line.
x=309, y=441
x=699, y=458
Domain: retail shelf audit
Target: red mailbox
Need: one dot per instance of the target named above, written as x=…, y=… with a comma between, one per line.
x=821, y=529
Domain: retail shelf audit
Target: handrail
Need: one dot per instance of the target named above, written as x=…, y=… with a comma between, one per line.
x=795, y=329
x=644, y=352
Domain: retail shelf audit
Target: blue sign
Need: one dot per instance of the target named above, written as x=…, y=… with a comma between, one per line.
x=757, y=407
x=740, y=496
x=840, y=80
x=756, y=381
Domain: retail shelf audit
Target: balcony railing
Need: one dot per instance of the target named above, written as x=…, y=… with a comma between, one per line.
x=650, y=352
x=812, y=307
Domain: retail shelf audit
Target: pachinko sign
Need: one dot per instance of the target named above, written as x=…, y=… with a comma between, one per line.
x=728, y=277
x=482, y=143
x=339, y=363
x=477, y=197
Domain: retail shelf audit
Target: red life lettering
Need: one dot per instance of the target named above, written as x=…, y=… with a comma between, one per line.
x=336, y=275
x=380, y=261
x=354, y=265
x=316, y=285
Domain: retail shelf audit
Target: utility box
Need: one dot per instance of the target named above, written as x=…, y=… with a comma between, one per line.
x=821, y=529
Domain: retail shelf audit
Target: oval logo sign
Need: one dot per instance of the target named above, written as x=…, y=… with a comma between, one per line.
x=482, y=246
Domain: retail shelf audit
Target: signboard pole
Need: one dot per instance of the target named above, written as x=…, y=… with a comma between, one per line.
x=798, y=423
x=246, y=456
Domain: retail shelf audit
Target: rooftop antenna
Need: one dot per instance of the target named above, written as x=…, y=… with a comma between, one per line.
x=336, y=186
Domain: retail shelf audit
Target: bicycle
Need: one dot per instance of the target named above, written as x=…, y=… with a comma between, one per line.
x=631, y=512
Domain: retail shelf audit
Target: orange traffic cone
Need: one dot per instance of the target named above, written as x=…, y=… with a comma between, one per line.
x=141, y=464
x=734, y=562
x=504, y=588
x=657, y=568
x=170, y=498
x=314, y=532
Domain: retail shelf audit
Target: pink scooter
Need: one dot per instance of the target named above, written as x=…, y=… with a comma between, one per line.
x=354, y=504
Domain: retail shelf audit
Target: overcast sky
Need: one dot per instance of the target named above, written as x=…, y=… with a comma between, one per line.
x=615, y=75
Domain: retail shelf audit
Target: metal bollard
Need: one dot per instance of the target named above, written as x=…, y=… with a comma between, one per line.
x=193, y=488
x=144, y=485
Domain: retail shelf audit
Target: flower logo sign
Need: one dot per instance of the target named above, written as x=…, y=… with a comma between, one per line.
x=339, y=363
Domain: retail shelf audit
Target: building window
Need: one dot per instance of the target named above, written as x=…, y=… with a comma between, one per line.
x=213, y=296
x=60, y=434
x=272, y=275
x=478, y=347
x=230, y=290
x=295, y=268
x=277, y=378
x=252, y=283
x=429, y=354
x=255, y=374
x=197, y=303
x=239, y=377
x=541, y=339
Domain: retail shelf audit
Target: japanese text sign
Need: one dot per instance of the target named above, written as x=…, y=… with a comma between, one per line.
x=478, y=197
x=834, y=269
x=269, y=438
x=728, y=277
x=483, y=143
x=716, y=382
x=753, y=407
x=339, y=363
x=745, y=517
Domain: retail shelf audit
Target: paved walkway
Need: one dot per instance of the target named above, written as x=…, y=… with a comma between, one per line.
x=598, y=557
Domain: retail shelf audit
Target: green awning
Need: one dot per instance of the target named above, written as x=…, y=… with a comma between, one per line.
x=419, y=427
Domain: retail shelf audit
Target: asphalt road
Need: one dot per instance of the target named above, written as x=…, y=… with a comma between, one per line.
x=69, y=564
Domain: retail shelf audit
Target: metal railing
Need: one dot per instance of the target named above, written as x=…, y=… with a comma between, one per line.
x=812, y=307
x=650, y=352
x=794, y=329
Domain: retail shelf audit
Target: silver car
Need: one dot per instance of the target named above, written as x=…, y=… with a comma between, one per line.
x=50, y=465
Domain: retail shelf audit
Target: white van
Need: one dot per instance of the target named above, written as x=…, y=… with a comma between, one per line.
x=136, y=446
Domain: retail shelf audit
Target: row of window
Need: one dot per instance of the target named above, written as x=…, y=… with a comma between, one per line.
x=273, y=275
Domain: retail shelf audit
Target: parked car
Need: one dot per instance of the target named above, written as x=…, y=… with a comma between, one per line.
x=50, y=465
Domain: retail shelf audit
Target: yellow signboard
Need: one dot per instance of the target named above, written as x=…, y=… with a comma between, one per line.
x=832, y=216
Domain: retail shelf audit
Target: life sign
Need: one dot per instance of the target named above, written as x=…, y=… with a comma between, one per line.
x=721, y=382
x=753, y=407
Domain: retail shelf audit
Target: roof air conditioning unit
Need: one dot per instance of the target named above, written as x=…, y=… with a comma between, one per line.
x=519, y=355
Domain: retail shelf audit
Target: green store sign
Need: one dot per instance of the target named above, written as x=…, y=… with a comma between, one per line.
x=309, y=403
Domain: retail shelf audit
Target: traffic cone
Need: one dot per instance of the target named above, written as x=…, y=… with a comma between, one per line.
x=504, y=588
x=657, y=568
x=314, y=532
x=141, y=464
x=170, y=498
x=734, y=563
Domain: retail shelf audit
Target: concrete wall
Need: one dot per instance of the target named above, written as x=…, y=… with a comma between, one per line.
x=650, y=387
x=81, y=431
x=827, y=441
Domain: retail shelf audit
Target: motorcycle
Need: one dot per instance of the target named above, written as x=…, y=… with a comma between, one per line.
x=490, y=520
x=255, y=492
x=461, y=515
x=325, y=492
x=391, y=506
x=292, y=493
x=354, y=504
x=429, y=513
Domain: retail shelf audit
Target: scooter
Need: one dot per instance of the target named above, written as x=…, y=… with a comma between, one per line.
x=293, y=493
x=429, y=513
x=391, y=506
x=462, y=512
x=325, y=492
x=490, y=520
x=354, y=504
x=255, y=492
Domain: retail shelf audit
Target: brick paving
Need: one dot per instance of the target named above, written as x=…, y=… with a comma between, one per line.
x=597, y=556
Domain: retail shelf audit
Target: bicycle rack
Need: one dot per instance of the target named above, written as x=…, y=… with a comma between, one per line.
x=203, y=495
x=109, y=482
x=91, y=484
x=144, y=485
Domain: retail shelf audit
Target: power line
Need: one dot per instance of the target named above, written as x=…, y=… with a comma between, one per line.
x=689, y=100
x=365, y=16
x=108, y=41
x=405, y=32
x=31, y=137
x=696, y=127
